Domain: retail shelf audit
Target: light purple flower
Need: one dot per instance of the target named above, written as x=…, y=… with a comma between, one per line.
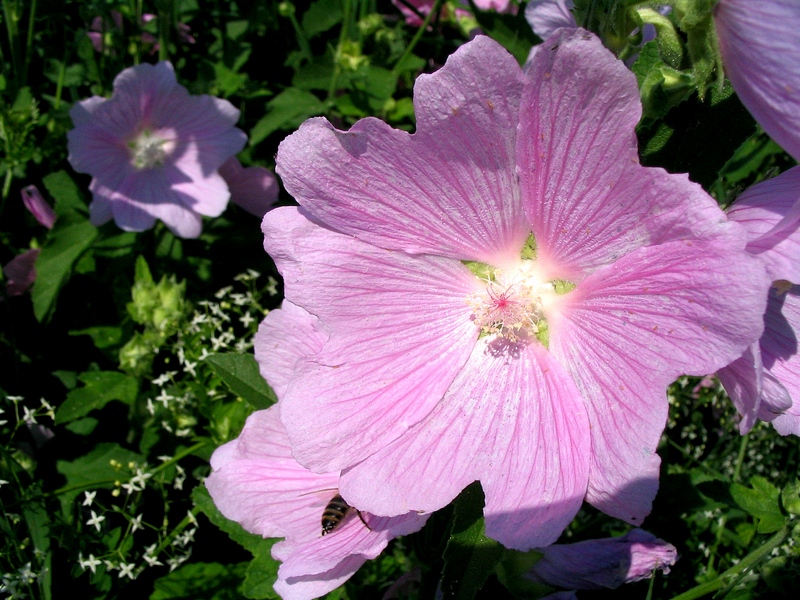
x=765, y=382
x=36, y=204
x=154, y=151
x=452, y=355
x=760, y=46
x=606, y=563
x=545, y=16
x=255, y=189
x=257, y=483
x=20, y=272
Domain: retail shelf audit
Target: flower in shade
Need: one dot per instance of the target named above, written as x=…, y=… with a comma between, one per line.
x=20, y=272
x=765, y=382
x=256, y=482
x=545, y=16
x=154, y=151
x=605, y=563
x=506, y=293
x=760, y=45
x=255, y=189
x=36, y=204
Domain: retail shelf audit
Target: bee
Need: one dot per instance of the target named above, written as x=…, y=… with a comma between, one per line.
x=335, y=513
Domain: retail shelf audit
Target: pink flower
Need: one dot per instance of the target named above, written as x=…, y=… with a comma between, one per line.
x=506, y=293
x=154, y=151
x=255, y=189
x=545, y=16
x=606, y=563
x=765, y=382
x=760, y=45
x=36, y=204
x=20, y=272
x=257, y=483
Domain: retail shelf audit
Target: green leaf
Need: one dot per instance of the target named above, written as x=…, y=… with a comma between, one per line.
x=512, y=31
x=210, y=581
x=101, y=388
x=761, y=501
x=470, y=556
x=102, y=336
x=240, y=374
x=321, y=16
x=790, y=498
x=286, y=111
x=66, y=194
x=262, y=571
x=70, y=237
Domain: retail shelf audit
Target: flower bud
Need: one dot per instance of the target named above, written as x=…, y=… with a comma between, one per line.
x=38, y=206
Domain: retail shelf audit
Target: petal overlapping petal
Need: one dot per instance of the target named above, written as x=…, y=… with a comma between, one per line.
x=588, y=199
x=400, y=331
x=448, y=189
x=770, y=213
x=629, y=330
x=759, y=46
x=512, y=419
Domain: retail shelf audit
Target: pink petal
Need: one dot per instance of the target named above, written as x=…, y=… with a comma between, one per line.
x=20, y=272
x=512, y=419
x=38, y=206
x=449, y=189
x=770, y=212
x=629, y=330
x=283, y=338
x=400, y=330
x=545, y=16
x=587, y=197
x=742, y=379
x=255, y=189
x=759, y=46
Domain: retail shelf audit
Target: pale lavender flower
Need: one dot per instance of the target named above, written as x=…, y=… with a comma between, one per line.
x=255, y=189
x=504, y=294
x=20, y=272
x=154, y=151
x=765, y=382
x=604, y=563
x=545, y=16
x=36, y=204
x=258, y=484
x=760, y=46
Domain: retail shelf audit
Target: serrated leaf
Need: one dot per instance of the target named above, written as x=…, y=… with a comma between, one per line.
x=761, y=501
x=286, y=111
x=101, y=388
x=210, y=581
x=70, y=237
x=67, y=195
x=470, y=557
x=790, y=498
x=240, y=374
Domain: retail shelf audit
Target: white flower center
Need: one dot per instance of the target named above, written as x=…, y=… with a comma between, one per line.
x=148, y=150
x=512, y=305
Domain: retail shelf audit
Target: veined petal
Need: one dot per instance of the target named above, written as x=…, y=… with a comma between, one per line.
x=512, y=419
x=588, y=199
x=283, y=338
x=449, y=189
x=400, y=330
x=630, y=329
x=770, y=213
x=742, y=379
x=759, y=46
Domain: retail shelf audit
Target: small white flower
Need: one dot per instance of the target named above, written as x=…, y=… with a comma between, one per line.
x=189, y=367
x=164, y=378
x=96, y=520
x=136, y=523
x=223, y=292
x=88, y=498
x=164, y=398
x=3, y=482
x=126, y=569
x=151, y=408
x=204, y=354
x=26, y=576
x=29, y=415
x=90, y=563
x=246, y=319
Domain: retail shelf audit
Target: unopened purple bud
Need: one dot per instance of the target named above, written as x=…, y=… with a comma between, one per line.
x=20, y=272
x=38, y=206
x=606, y=563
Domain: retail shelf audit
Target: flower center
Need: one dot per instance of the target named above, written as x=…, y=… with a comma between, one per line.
x=512, y=304
x=147, y=150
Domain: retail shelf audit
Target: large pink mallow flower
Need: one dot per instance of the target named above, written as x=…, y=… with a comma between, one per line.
x=154, y=151
x=765, y=382
x=506, y=293
x=605, y=563
x=257, y=483
x=760, y=45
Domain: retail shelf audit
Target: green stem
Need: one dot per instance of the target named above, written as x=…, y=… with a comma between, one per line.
x=747, y=562
x=11, y=17
x=29, y=42
x=342, y=37
x=737, y=471
x=417, y=36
